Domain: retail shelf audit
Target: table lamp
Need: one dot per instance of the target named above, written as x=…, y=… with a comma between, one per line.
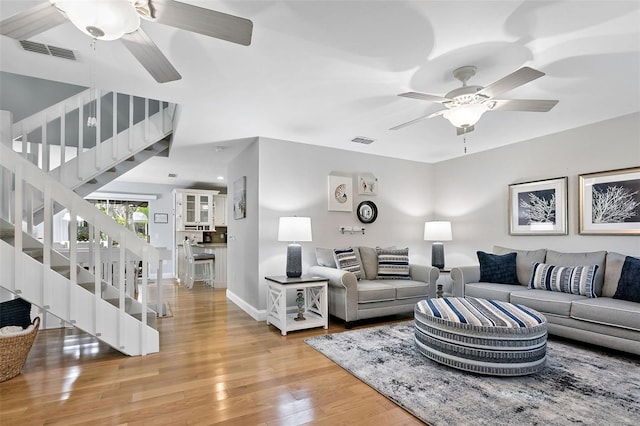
x=294, y=229
x=437, y=232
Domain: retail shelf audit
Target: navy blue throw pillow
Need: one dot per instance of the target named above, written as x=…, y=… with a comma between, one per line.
x=498, y=268
x=15, y=312
x=629, y=283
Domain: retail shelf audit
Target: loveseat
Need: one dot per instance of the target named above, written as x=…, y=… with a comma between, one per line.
x=594, y=304
x=366, y=282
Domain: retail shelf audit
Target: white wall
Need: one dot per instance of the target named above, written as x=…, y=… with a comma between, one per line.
x=242, y=234
x=472, y=191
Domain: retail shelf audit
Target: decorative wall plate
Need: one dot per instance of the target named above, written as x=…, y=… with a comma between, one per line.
x=367, y=212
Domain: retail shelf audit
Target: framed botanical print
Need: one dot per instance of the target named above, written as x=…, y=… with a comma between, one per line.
x=610, y=202
x=367, y=184
x=340, y=193
x=538, y=208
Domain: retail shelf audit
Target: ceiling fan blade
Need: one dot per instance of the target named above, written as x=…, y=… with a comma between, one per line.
x=32, y=21
x=534, y=105
x=150, y=56
x=463, y=130
x=424, y=97
x=513, y=80
x=408, y=123
x=200, y=20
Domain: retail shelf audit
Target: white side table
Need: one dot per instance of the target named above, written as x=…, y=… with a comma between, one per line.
x=315, y=305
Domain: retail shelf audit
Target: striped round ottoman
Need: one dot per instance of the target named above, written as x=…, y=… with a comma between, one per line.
x=481, y=336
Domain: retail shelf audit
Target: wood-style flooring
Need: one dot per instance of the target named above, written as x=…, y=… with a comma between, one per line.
x=216, y=365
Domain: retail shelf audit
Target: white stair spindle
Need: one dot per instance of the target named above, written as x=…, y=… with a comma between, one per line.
x=114, y=134
x=80, y=134
x=130, y=126
x=98, y=145
x=63, y=135
x=146, y=119
x=45, y=145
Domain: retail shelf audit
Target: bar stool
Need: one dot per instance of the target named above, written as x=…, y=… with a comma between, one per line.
x=195, y=260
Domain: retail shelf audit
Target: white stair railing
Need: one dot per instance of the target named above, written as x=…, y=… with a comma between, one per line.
x=109, y=144
x=53, y=282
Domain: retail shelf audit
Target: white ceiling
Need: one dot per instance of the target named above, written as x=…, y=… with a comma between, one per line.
x=325, y=72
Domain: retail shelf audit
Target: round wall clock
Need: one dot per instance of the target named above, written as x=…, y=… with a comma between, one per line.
x=367, y=212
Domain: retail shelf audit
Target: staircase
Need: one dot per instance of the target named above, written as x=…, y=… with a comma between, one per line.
x=89, y=287
x=128, y=131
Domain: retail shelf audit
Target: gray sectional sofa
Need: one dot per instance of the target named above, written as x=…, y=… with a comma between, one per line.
x=602, y=320
x=352, y=299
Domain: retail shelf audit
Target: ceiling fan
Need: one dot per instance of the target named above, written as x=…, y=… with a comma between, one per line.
x=465, y=105
x=120, y=19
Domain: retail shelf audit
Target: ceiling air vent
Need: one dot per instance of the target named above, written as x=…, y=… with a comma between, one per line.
x=362, y=139
x=58, y=52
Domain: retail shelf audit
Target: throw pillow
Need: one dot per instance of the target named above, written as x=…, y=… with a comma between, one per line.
x=629, y=284
x=369, y=258
x=347, y=261
x=393, y=264
x=567, y=279
x=325, y=257
x=15, y=312
x=498, y=268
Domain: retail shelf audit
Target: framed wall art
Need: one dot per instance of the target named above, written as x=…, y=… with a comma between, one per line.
x=161, y=218
x=240, y=198
x=340, y=193
x=538, y=208
x=610, y=202
x=367, y=184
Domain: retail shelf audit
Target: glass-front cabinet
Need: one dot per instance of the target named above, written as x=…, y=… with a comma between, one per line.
x=194, y=210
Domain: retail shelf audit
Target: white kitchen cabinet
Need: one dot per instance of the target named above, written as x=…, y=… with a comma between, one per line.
x=194, y=210
x=220, y=207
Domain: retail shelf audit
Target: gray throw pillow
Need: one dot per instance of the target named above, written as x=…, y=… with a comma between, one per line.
x=612, y=272
x=369, y=261
x=324, y=257
x=524, y=261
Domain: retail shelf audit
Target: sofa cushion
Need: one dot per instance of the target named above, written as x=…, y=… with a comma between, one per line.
x=549, y=302
x=15, y=312
x=566, y=279
x=393, y=264
x=375, y=291
x=613, y=269
x=407, y=289
x=491, y=291
x=369, y=258
x=607, y=311
x=524, y=261
x=347, y=260
x=578, y=259
x=629, y=284
x=498, y=268
x=325, y=257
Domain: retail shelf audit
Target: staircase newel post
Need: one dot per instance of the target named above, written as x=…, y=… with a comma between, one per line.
x=46, y=245
x=17, y=217
x=143, y=300
x=73, y=259
x=121, y=289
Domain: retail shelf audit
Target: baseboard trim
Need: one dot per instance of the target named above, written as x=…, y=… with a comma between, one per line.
x=256, y=314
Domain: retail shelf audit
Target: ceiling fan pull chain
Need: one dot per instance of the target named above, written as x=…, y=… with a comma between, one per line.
x=91, y=120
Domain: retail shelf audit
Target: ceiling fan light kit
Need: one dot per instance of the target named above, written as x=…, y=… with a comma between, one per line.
x=101, y=19
x=466, y=105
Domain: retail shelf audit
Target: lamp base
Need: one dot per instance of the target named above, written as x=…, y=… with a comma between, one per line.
x=294, y=260
x=437, y=255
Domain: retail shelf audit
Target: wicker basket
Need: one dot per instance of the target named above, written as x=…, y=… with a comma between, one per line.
x=14, y=351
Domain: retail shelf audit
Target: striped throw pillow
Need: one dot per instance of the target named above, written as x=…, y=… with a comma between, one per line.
x=347, y=261
x=393, y=264
x=567, y=279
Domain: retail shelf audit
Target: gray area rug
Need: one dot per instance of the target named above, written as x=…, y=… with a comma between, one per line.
x=577, y=386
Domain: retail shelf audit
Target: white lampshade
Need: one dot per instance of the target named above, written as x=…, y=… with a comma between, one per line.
x=294, y=229
x=465, y=115
x=113, y=18
x=437, y=231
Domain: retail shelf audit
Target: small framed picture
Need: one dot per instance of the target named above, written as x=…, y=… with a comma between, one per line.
x=161, y=218
x=340, y=193
x=538, y=208
x=367, y=184
x=610, y=202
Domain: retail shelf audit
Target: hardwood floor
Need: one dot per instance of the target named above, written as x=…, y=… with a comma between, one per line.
x=216, y=365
